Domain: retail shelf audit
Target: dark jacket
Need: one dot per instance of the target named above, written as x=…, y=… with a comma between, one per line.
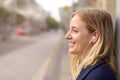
x=100, y=71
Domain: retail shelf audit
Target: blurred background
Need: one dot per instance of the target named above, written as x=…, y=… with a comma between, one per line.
x=32, y=43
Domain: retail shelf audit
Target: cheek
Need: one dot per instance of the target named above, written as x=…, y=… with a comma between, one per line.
x=81, y=43
x=79, y=40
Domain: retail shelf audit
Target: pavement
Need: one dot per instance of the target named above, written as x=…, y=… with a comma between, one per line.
x=55, y=67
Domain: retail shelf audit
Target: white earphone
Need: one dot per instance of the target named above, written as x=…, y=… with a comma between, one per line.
x=92, y=39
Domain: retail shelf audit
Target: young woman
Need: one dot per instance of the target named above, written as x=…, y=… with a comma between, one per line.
x=91, y=44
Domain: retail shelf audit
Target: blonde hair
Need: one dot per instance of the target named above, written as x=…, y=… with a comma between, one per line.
x=100, y=21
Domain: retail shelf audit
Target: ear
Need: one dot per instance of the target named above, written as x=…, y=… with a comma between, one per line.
x=95, y=35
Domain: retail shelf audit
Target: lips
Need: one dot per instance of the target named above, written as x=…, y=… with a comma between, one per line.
x=71, y=44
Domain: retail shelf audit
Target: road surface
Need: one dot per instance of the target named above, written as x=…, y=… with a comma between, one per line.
x=45, y=59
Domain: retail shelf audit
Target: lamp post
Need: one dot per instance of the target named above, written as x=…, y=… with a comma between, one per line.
x=74, y=4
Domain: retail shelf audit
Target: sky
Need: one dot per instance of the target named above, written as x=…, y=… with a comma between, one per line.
x=53, y=6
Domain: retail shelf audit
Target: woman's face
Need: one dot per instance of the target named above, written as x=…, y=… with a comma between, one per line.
x=78, y=36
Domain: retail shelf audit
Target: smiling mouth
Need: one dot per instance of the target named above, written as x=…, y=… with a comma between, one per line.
x=72, y=44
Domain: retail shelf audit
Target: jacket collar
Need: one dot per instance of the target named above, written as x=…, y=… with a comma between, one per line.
x=85, y=72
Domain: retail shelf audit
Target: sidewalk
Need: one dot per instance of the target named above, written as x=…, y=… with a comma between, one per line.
x=57, y=66
x=65, y=64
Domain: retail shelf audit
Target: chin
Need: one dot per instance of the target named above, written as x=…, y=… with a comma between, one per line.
x=72, y=52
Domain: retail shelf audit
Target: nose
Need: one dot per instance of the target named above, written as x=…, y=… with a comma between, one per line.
x=68, y=36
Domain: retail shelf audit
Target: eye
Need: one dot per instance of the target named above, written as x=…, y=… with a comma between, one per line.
x=75, y=30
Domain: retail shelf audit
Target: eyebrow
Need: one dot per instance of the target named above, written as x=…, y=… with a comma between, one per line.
x=73, y=27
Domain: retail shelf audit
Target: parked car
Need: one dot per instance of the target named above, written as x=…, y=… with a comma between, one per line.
x=21, y=31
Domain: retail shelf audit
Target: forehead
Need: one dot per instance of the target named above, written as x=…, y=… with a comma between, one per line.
x=77, y=22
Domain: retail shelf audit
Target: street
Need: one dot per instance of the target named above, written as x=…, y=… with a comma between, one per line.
x=45, y=59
